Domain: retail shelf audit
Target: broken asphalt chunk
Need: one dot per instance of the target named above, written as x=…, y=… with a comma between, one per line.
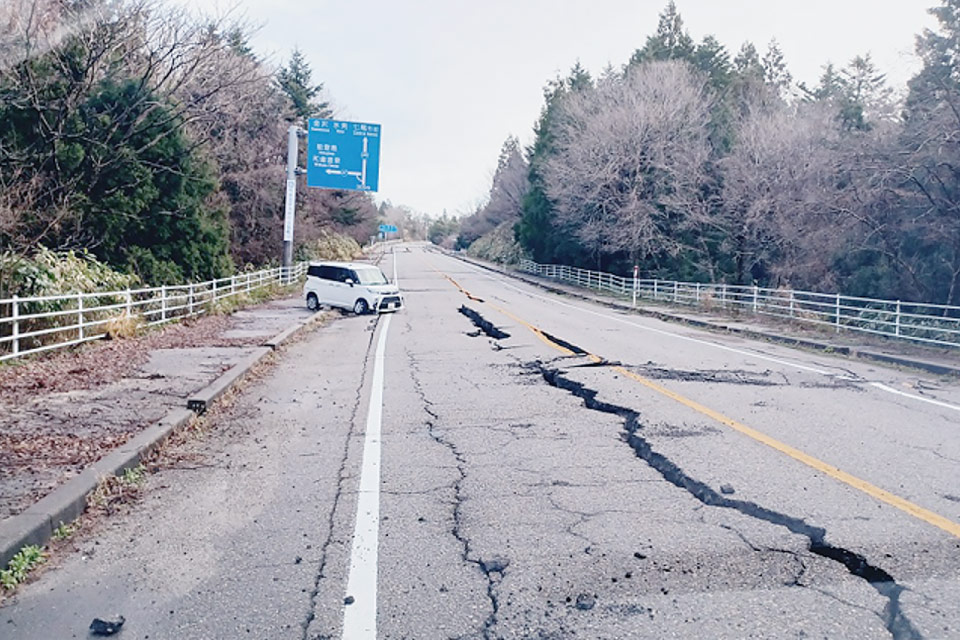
x=106, y=627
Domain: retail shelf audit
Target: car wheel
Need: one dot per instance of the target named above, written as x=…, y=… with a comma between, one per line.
x=312, y=302
x=360, y=307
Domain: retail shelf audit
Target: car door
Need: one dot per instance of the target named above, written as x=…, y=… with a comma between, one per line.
x=325, y=284
x=344, y=292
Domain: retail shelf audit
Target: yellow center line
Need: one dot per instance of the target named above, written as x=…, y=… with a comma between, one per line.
x=836, y=473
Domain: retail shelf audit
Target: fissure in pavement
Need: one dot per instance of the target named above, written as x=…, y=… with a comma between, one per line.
x=335, y=507
x=895, y=620
x=492, y=569
x=483, y=324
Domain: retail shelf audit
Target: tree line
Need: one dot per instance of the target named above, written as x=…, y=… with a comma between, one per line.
x=695, y=164
x=153, y=139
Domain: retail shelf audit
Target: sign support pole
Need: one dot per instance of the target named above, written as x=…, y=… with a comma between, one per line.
x=293, y=147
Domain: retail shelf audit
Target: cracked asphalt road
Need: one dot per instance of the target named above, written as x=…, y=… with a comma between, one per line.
x=528, y=490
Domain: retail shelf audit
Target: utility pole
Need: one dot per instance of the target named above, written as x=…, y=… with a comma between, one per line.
x=293, y=148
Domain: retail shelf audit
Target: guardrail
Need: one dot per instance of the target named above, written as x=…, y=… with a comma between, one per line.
x=41, y=323
x=919, y=322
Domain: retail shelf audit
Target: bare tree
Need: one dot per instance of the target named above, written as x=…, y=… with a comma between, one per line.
x=781, y=193
x=631, y=158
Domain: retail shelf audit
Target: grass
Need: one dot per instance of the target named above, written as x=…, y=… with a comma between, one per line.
x=124, y=326
x=20, y=566
x=64, y=531
x=113, y=491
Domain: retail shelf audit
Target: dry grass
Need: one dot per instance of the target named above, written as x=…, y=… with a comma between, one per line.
x=123, y=326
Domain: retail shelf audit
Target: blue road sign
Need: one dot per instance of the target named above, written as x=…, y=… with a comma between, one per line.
x=388, y=228
x=343, y=155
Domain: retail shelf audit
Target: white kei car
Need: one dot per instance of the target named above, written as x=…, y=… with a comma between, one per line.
x=355, y=286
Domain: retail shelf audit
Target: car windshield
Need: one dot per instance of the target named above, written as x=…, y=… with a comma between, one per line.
x=370, y=275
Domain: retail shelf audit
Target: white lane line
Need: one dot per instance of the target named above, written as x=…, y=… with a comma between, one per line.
x=785, y=363
x=360, y=617
x=393, y=254
x=939, y=403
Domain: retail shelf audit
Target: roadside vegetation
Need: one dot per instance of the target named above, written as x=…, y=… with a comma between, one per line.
x=141, y=143
x=699, y=164
x=20, y=566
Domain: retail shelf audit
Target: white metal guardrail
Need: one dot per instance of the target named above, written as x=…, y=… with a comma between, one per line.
x=42, y=323
x=919, y=322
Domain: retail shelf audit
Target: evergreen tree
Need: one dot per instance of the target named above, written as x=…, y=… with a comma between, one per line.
x=748, y=63
x=536, y=230
x=296, y=81
x=670, y=42
x=713, y=59
x=775, y=72
x=858, y=92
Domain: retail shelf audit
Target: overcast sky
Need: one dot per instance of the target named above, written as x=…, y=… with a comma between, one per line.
x=449, y=80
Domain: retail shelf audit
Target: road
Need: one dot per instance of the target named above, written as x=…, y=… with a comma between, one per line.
x=530, y=466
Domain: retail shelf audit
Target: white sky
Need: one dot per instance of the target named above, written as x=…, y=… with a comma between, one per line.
x=449, y=80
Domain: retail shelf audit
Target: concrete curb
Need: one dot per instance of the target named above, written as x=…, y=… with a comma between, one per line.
x=202, y=399
x=276, y=341
x=65, y=503
x=883, y=358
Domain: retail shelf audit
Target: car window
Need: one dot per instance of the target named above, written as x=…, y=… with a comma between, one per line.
x=370, y=275
x=327, y=272
x=344, y=274
x=314, y=270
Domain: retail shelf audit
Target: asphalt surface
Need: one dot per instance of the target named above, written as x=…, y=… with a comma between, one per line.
x=590, y=474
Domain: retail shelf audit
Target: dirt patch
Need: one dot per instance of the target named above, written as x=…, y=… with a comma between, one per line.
x=719, y=376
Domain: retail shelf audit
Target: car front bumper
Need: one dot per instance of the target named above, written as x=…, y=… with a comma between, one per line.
x=389, y=304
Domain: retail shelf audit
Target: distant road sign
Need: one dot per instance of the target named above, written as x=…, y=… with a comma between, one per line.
x=388, y=228
x=343, y=155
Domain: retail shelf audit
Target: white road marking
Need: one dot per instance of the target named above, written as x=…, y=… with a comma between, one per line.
x=939, y=403
x=360, y=617
x=393, y=254
x=785, y=363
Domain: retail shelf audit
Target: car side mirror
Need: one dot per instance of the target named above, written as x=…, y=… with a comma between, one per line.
x=349, y=281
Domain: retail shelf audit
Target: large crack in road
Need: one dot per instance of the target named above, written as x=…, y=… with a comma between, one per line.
x=483, y=324
x=895, y=620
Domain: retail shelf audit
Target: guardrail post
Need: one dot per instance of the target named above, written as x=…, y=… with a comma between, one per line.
x=163, y=303
x=791, y=302
x=676, y=288
x=756, y=293
x=248, y=283
x=129, y=303
x=190, y=300
x=898, y=318
x=838, y=313
x=233, y=283
x=655, y=286
x=15, y=314
x=723, y=296
x=698, y=294
x=80, y=315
